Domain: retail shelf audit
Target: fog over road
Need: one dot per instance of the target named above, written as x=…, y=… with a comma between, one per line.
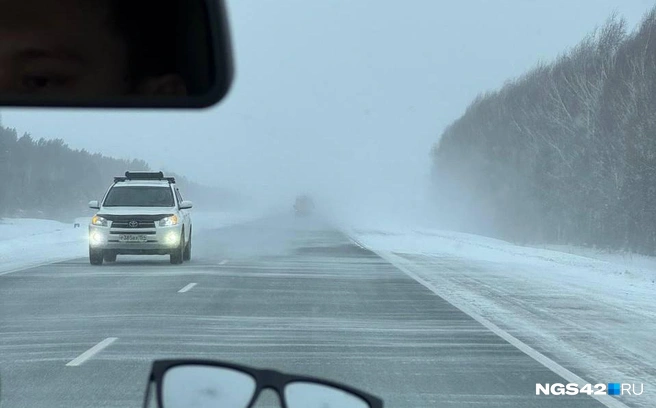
x=293, y=294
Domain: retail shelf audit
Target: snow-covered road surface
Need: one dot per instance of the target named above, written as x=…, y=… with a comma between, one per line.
x=596, y=317
x=293, y=294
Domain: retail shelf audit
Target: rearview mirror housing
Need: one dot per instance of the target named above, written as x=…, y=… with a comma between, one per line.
x=185, y=205
x=94, y=204
x=151, y=54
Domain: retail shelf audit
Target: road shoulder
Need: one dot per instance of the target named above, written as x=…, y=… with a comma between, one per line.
x=569, y=323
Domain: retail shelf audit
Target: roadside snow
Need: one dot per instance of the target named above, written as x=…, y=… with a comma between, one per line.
x=474, y=247
x=31, y=242
x=593, y=313
x=633, y=264
x=26, y=242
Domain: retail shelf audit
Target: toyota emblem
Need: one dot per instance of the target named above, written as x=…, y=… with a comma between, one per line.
x=133, y=224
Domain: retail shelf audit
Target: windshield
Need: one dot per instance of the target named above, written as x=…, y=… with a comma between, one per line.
x=139, y=197
x=443, y=203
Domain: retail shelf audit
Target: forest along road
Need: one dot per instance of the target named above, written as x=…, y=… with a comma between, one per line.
x=289, y=293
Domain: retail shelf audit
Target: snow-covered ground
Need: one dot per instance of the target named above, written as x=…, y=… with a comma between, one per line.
x=592, y=313
x=30, y=242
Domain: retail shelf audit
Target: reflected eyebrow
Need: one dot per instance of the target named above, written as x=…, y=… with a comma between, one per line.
x=56, y=53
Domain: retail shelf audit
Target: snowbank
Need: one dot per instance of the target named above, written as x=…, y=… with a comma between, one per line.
x=630, y=268
x=30, y=242
x=594, y=315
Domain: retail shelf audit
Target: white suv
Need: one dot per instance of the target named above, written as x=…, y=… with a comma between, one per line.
x=141, y=213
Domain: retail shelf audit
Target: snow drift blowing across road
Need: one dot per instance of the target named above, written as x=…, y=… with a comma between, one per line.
x=594, y=317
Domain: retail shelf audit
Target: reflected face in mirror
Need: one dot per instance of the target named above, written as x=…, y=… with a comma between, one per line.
x=82, y=48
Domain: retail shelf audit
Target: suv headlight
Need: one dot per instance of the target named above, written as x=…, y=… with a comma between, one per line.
x=169, y=221
x=100, y=221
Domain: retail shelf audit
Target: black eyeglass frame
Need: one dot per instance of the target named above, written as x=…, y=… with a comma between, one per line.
x=264, y=379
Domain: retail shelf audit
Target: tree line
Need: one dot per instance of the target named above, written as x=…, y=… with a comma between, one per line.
x=564, y=154
x=45, y=178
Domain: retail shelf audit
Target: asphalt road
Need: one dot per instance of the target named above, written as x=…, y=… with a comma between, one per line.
x=287, y=293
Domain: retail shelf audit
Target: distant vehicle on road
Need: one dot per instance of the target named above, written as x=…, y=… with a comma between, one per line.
x=141, y=213
x=304, y=205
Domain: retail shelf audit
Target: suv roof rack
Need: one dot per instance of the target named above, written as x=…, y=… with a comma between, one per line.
x=143, y=175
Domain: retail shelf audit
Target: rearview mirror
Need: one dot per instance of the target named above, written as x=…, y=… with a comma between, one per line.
x=94, y=204
x=114, y=53
x=185, y=205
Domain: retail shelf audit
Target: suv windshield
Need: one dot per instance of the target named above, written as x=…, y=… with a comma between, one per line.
x=141, y=196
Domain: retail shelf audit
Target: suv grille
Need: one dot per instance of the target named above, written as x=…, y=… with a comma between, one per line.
x=133, y=224
x=134, y=221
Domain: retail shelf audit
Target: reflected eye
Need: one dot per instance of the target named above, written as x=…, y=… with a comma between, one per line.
x=43, y=82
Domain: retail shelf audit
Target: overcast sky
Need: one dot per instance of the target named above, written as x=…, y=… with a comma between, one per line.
x=341, y=95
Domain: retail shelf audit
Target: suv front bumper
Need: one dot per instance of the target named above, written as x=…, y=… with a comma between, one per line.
x=159, y=240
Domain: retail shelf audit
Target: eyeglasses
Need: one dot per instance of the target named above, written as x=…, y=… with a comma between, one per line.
x=212, y=384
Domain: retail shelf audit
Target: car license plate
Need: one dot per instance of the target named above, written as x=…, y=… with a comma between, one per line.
x=132, y=238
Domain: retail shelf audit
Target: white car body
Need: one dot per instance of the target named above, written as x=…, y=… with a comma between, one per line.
x=140, y=230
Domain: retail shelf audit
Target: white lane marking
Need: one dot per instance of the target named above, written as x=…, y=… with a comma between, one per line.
x=91, y=352
x=187, y=288
x=358, y=244
x=398, y=262
x=225, y=261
